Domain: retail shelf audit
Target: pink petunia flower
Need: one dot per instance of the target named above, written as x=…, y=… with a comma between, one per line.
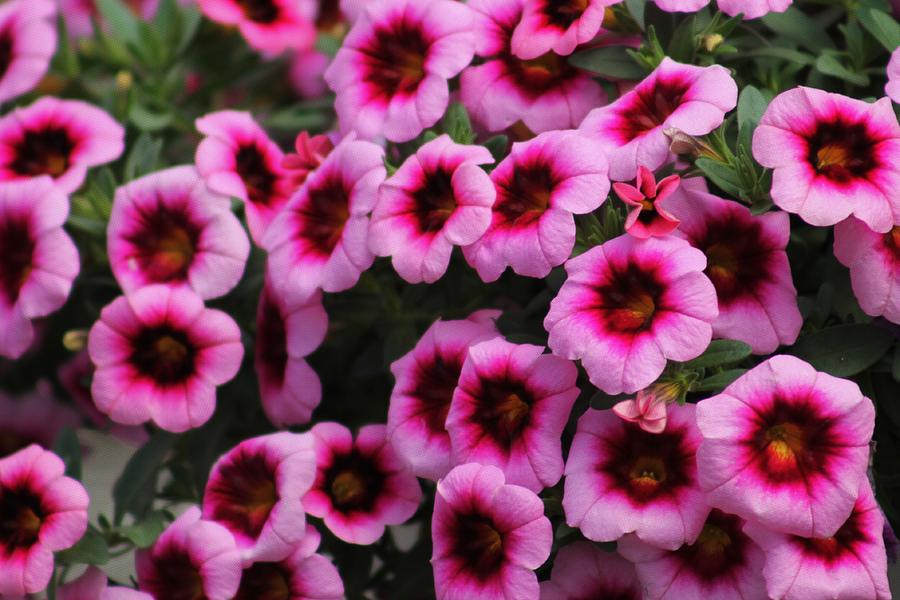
x=750, y=9
x=832, y=156
x=540, y=185
x=629, y=305
x=309, y=152
x=721, y=563
x=509, y=410
x=849, y=564
x=307, y=73
x=38, y=260
x=545, y=93
x=255, y=489
x=892, y=89
x=34, y=417
x=160, y=354
x=874, y=263
x=748, y=265
x=648, y=409
x=621, y=479
x=237, y=159
x=270, y=26
x=191, y=559
x=692, y=99
x=437, y=199
x=168, y=228
x=59, y=138
x=581, y=571
x=648, y=216
x=320, y=239
x=43, y=512
x=287, y=332
x=425, y=379
x=550, y=25
x=27, y=43
x=360, y=485
x=488, y=536
x=786, y=446
x=93, y=585
x=391, y=73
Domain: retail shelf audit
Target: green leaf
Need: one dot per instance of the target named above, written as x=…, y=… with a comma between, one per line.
x=68, y=448
x=799, y=28
x=882, y=26
x=190, y=21
x=88, y=225
x=751, y=106
x=720, y=352
x=722, y=175
x=497, y=145
x=66, y=59
x=457, y=125
x=143, y=157
x=91, y=549
x=637, y=9
x=828, y=64
x=718, y=382
x=298, y=118
x=844, y=350
x=147, y=120
x=121, y=20
x=133, y=492
x=144, y=533
x=612, y=61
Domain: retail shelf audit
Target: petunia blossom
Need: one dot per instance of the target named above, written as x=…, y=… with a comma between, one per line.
x=34, y=417
x=38, y=260
x=692, y=99
x=852, y=563
x=160, y=354
x=892, y=89
x=361, y=485
x=168, y=228
x=192, y=558
x=540, y=186
x=27, y=43
x=238, y=159
x=287, y=332
x=426, y=377
x=627, y=306
x=59, y=138
x=320, y=239
x=832, y=157
x=648, y=409
x=747, y=262
x=874, y=263
x=93, y=585
x=786, y=446
x=582, y=570
x=550, y=25
x=307, y=73
x=488, y=536
x=391, y=73
x=749, y=9
x=43, y=512
x=621, y=479
x=509, y=410
x=648, y=215
x=439, y=198
x=270, y=26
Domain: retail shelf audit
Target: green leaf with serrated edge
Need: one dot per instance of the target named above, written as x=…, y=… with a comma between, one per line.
x=718, y=382
x=134, y=490
x=844, y=350
x=68, y=448
x=612, y=61
x=720, y=352
x=145, y=532
x=91, y=549
x=882, y=26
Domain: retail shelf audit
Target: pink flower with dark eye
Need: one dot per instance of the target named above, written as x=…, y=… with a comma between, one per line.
x=621, y=479
x=832, y=156
x=425, y=380
x=191, y=559
x=874, y=263
x=309, y=152
x=581, y=571
x=33, y=418
x=750, y=9
x=692, y=99
x=320, y=239
x=747, y=262
x=892, y=89
x=648, y=409
x=307, y=73
x=628, y=306
x=59, y=138
x=270, y=26
x=437, y=199
x=509, y=410
x=160, y=354
x=93, y=585
x=849, y=564
x=721, y=563
x=786, y=446
x=286, y=332
x=391, y=73
x=540, y=186
x=42, y=512
x=488, y=536
x=38, y=261
x=545, y=93
x=168, y=228
x=360, y=485
x=27, y=43
x=648, y=215
x=237, y=159
x=255, y=491
x=551, y=25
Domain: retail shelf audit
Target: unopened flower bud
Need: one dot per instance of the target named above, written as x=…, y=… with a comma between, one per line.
x=75, y=340
x=712, y=41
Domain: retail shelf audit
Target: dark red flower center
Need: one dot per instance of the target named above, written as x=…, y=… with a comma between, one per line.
x=325, y=214
x=504, y=409
x=435, y=383
x=434, y=201
x=265, y=581
x=651, y=106
x=271, y=340
x=250, y=163
x=260, y=11
x=174, y=576
x=629, y=300
x=165, y=243
x=17, y=248
x=21, y=516
x=524, y=197
x=720, y=548
x=562, y=13
x=843, y=543
x=242, y=493
x=164, y=354
x=44, y=151
x=396, y=58
x=329, y=15
x=841, y=150
x=479, y=544
x=536, y=76
x=7, y=50
x=353, y=482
